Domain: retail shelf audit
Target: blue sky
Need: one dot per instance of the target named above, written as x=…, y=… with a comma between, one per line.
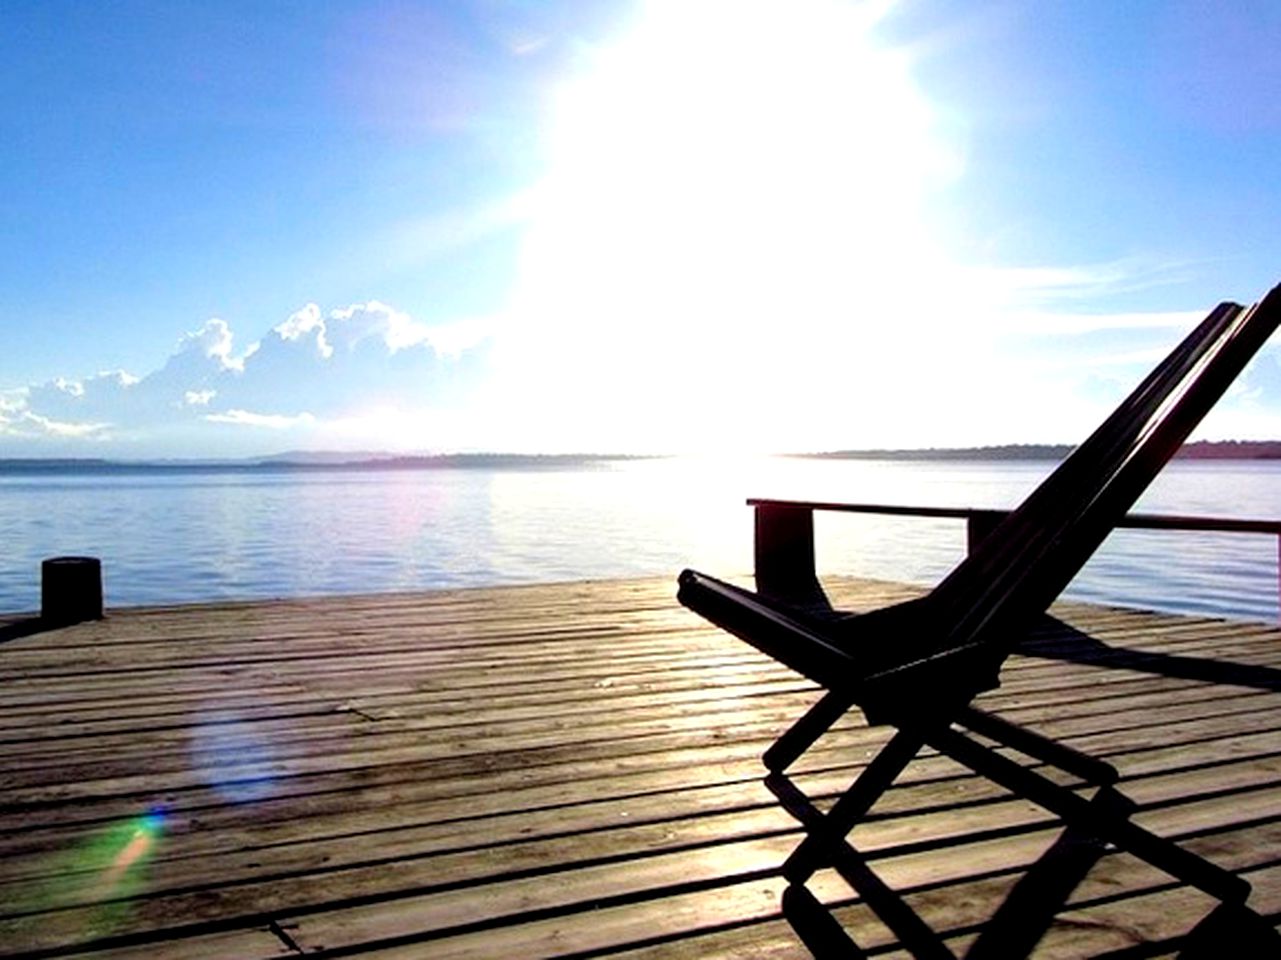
x=235, y=228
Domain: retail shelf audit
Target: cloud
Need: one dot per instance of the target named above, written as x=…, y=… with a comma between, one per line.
x=351, y=326
x=306, y=324
x=57, y=428
x=922, y=368
x=311, y=370
x=1063, y=283
x=353, y=357
x=89, y=399
x=213, y=340
x=348, y=329
x=1054, y=323
x=271, y=421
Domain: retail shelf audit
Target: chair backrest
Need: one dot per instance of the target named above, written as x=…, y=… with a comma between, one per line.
x=1019, y=569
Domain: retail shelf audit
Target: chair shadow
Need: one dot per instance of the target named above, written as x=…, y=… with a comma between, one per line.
x=1045, y=888
x=1054, y=639
x=1013, y=930
x=1025, y=915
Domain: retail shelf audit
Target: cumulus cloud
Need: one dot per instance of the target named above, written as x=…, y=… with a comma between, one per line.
x=306, y=324
x=215, y=341
x=348, y=329
x=361, y=321
x=309, y=370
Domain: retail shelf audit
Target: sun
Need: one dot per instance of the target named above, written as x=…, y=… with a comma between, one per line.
x=728, y=186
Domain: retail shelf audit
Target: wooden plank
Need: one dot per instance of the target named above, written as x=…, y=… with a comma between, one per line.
x=565, y=768
x=257, y=944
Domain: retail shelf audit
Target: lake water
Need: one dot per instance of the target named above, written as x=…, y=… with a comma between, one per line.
x=209, y=534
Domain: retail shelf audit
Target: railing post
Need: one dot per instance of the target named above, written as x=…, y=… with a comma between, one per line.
x=978, y=524
x=784, y=549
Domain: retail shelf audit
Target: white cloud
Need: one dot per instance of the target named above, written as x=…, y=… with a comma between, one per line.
x=457, y=337
x=13, y=400
x=214, y=340
x=346, y=329
x=374, y=320
x=336, y=366
x=1065, y=284
x=270, y=421
x=306, y=322
x=1051, y=323
x=57, y=428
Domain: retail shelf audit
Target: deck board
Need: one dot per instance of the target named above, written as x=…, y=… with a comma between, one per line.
x=570, y=769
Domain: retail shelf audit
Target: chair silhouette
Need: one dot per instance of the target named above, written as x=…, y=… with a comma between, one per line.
x=917, y=665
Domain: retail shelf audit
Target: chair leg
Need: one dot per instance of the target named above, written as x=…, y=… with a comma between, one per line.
x=801, y=735
x=815, y=850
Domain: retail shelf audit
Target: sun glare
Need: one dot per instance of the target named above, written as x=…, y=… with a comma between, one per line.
x=731, y=187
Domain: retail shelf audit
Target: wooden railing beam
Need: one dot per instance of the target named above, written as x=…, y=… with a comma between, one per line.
x=784, y=546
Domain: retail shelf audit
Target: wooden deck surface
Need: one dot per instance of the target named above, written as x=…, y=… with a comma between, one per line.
x=568, y=770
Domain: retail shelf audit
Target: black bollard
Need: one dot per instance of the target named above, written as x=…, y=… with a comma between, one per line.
x=70, y=590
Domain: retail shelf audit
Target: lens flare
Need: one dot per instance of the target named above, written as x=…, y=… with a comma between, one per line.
x=142, y=834
x=101, y=872
x=234, y=758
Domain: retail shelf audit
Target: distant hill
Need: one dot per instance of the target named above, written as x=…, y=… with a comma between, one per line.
x=51, y=463
x=304, y=460
x=1200, y=450
x=313, y=461
x=325, y=457
x=387, y=461
x=1232, y=450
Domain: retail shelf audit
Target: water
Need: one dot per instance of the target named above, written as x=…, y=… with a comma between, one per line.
x=191, y=535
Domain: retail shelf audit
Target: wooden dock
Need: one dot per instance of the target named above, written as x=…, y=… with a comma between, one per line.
x=569, y=771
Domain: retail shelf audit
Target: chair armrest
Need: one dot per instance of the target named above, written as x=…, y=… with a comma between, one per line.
x=773, y=631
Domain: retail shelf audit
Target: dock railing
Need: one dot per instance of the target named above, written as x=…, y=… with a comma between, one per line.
x=784, y=535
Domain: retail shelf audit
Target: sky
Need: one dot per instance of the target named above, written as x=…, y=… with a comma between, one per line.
x=234, y=228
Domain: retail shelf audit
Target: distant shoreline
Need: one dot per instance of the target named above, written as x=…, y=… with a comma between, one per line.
x=316, y=462
x=330, y=461
x=1199, y=450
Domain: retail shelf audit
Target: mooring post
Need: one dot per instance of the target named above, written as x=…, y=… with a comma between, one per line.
x=70, y=590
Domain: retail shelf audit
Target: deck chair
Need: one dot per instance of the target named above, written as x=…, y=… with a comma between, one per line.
x=917, y=665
